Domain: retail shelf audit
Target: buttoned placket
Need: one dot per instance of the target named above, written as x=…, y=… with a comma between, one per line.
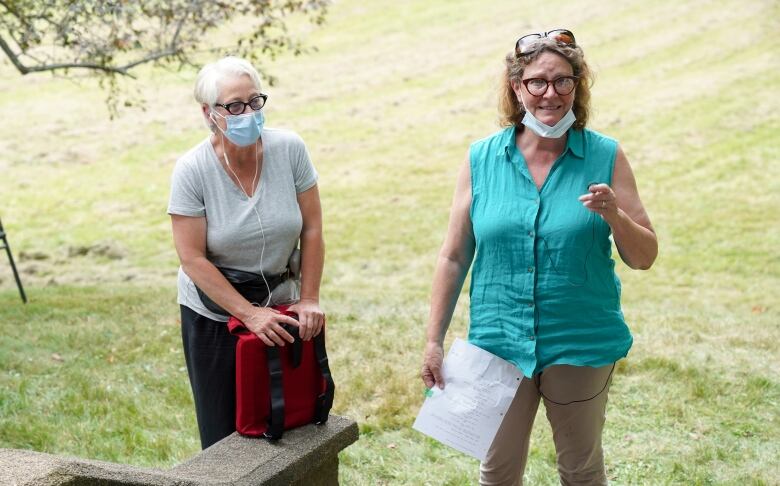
x=532, y=269
x=532, y=232
x=531, y=218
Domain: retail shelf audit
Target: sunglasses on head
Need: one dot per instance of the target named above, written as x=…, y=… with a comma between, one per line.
x=527, y=44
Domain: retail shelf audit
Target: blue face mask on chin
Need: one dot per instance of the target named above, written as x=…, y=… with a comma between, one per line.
x=243, y=130
x=547, y=131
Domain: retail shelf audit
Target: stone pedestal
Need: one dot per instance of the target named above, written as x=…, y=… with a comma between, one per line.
x=304, y=456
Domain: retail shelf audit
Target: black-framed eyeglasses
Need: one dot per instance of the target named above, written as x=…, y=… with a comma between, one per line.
x=527, y=44
x=238, y=107
x=562, y=85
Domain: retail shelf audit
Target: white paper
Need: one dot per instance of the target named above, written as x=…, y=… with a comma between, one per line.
x=478, y=389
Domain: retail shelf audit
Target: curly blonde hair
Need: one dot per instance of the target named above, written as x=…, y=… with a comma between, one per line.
x=511, y=111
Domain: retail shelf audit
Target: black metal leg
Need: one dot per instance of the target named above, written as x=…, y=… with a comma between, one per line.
x=16, y=274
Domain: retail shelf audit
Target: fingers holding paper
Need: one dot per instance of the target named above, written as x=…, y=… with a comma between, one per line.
x=432, y=365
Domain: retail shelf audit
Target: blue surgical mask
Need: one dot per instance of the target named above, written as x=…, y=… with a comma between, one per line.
x=547, y=131
x=243, y=130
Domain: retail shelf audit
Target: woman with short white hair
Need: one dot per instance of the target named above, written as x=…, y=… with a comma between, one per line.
x=240, y=202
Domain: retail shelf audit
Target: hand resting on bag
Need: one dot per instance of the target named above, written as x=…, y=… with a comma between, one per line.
x=266, y=324
x=310, y=317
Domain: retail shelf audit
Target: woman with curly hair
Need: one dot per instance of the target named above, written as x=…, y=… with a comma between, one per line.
x=535, y=211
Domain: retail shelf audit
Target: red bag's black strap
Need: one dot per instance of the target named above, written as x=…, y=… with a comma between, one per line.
x=324, y=400
x=276, y=418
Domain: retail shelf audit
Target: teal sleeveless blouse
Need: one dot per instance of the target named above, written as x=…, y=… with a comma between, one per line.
x=543, y=285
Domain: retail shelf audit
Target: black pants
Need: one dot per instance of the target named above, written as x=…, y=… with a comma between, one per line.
x=210, y=352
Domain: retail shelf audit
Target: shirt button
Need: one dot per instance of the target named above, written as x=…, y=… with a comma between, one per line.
x=530, y=304
x=532, y=338
x=530, y=269
x=531, y=234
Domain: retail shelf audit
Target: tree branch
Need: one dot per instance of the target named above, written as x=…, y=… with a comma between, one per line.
x=175, y=38
x=111, y=37
x=73, y=65
x=14, y=59
x=123, y=70
x=152, y=57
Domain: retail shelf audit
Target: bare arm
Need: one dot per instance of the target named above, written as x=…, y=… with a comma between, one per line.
x=189, y=237
x=622, y=209
x=312, y=261
x=453, y=264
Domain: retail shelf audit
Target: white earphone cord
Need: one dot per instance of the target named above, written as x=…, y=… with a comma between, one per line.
x=254, y=208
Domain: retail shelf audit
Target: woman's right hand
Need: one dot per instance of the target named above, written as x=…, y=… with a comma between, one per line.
x=431, y=368
x=266, y=324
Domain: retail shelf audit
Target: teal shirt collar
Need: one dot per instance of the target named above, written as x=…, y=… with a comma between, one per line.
x=575, y=143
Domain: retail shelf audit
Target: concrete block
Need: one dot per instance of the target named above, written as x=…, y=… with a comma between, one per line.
x=304, y=456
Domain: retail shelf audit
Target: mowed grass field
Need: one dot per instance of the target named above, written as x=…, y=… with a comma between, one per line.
x=388, y=105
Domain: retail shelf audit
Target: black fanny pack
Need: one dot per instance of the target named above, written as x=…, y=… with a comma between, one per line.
x=250, y=285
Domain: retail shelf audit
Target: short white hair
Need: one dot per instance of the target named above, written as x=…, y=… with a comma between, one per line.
x=210, y=77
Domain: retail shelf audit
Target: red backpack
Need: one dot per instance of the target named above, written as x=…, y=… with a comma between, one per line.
x=280, y=388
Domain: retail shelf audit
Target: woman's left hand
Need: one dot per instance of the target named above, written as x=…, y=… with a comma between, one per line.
x=310, y=316
x=600, y=199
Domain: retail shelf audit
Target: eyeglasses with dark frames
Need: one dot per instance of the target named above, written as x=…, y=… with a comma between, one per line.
x=238, y=107
x=527, y=43
x=562, y=85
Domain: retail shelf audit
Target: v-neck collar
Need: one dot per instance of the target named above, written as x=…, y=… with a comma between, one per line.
x=511, y=153
x=224, y=174
x=575, y=142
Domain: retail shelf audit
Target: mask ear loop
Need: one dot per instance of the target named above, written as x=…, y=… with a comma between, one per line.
x=254, y=208
x=215, y=127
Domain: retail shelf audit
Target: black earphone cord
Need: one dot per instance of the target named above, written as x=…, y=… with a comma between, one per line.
x=538, y=380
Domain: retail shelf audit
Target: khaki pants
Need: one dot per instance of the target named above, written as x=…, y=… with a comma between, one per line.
x=576, y=427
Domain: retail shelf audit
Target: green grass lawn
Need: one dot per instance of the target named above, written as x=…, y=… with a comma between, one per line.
x=93, y=367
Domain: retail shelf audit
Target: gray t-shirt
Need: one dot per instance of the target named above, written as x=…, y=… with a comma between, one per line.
x=234, y=231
